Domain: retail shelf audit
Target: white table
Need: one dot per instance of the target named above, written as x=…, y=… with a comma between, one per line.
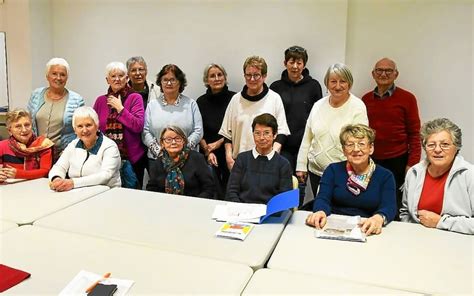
x=7, y=225
x=272, y=282
x=54, y=257
x=405, y=256
x=167, y=222
x=25, y=202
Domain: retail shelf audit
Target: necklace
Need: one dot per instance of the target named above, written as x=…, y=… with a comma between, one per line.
x=54, y=96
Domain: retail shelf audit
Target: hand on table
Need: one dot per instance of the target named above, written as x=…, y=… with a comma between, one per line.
x=8, y=172
x=372, y=225
x=317, y=220
x=60, y=185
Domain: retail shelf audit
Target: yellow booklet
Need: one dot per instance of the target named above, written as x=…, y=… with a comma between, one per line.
x=234, y=230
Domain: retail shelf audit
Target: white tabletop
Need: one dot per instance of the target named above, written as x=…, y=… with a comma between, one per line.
x=54, y=257
x=271, y=282
x=405, y=256
x=167, y=222
x=7, y=225
x=25, y=202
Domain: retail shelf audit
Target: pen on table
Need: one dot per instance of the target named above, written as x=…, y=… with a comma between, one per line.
x=97, y=282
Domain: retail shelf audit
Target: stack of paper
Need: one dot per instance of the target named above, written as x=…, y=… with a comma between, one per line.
x=256, y=213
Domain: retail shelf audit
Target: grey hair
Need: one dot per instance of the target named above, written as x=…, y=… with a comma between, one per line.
x=84, y=112
x=208, y=68
x=340, y=70
x=115, y=66
x=57, y=62
x=358, y=131
x=438, y=125
x=175, y=129
x=137, y=59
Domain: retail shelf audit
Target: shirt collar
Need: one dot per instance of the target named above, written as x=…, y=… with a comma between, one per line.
x=95, y=149
x=165, y=103
x=387, y=93
x=256, y=154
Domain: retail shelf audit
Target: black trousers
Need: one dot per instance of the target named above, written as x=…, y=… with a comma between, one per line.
x=397, y=166
x=139, y=169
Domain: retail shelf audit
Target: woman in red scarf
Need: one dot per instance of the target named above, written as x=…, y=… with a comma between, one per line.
x=23, y=155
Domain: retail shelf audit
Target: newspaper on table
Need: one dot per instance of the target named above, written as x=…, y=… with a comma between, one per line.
x=83, y=280
x=340, y=227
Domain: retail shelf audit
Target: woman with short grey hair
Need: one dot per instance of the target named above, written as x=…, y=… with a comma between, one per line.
x=439, y=191
x=51, y=107
x=91, y=159
x=320, y=145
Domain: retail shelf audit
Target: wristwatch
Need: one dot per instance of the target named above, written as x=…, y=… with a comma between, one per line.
x=384, y=219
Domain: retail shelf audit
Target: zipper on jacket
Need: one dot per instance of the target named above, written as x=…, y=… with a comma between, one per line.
x=84, y=162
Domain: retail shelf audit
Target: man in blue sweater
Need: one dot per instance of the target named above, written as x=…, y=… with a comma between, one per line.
x=260, y=173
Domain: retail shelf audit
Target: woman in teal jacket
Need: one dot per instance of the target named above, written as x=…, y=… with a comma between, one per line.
x=51, y=107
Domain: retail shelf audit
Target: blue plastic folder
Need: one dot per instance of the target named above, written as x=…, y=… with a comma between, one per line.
x=282, y=202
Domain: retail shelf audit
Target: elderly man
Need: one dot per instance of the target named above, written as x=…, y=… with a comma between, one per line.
x=393, y=113
x=260, y=173
x=137, y=70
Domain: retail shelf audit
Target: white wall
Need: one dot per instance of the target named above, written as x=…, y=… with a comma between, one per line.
x=15, y=21
x=191, y=34
x=432, y=43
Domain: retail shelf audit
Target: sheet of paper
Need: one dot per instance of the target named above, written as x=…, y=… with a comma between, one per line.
x=239, y=212
x=84, y=279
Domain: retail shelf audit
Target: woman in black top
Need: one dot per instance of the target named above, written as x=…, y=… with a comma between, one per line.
x=212, y=105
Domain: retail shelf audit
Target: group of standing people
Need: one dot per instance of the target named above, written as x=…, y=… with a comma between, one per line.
x=246, y=146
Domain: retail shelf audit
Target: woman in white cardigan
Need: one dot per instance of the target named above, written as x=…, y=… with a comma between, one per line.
x=91, y=159
x=321, y=146
x=439, y=191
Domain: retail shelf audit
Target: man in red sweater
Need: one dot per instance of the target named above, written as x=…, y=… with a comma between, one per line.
x=393, y=113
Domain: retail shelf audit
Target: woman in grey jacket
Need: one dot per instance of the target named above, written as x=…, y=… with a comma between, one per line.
x=439, y=191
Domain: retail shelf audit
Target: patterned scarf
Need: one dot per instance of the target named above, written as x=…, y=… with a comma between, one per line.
x=113, y=127
x=174, y=182
x=358, y=183
x=31, y=151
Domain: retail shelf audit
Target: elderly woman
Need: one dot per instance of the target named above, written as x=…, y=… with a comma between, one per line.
x=320, y=146
x=357, y=186
x=212, y=105
x=23, y=155
x=254, y=99
x=137, y=71
x=439, y=191
x=51, y=107
x=178, y=169
x=121, y=118
x=91, y=159
x=171, y=108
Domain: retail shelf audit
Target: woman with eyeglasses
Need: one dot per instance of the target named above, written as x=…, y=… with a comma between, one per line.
x=121, y=118
x=212, y=106
x=320, y=146
x=357, y=186
x=171, y=108
x=439, y=191
x=254, y=99
x=178, y=169
x=23, y=155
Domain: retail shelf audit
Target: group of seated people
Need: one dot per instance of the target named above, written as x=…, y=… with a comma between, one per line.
x=133, y=128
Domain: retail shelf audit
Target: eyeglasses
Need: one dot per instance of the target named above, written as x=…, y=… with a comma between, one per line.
x=254, y=76
x=178, y=140
x=265, y=134
x=171, y=81
x=443, y=146
x=351, y=146
x=138, y=71
x=380, y=71
x=296, y=49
